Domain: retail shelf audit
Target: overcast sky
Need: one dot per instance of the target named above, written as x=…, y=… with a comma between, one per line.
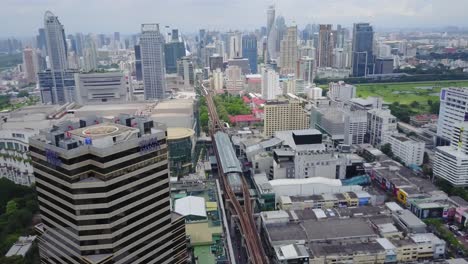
x=24, y=17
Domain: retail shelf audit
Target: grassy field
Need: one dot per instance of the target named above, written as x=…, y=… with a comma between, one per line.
x=407, y=92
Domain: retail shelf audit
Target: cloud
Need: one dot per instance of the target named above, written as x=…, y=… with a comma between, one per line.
x=24, y=17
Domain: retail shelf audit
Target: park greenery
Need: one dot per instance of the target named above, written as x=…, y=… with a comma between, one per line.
x=230, y=105
x=18, y=204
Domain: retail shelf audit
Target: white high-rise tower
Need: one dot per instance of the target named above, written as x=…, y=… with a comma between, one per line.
x=271, y=34
x=152, y=60
x=56, y=45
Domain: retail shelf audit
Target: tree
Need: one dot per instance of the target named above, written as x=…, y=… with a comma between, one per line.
x=425, y=158
x=387, y=150
x=414, y=104
x=435, y=107
x=11, y=207
x=429, y=102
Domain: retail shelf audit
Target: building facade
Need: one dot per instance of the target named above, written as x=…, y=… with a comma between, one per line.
x=340, y=91
x=57, y=87
x=284, y=115
x=152, y=60
x=270, y=84
x=363, y=56
x=103, y=192
x=451, y=162
x=100, y=88
x=173, y=51
x=29, y=65
x=325, y=46
x=380, y=124
x=289, y=52
x=249, y=51
x=411, y=152
x=453, y=110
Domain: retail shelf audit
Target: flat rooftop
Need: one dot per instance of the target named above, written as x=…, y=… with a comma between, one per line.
x=174, y=133
x=101, y=130
x=338, y=229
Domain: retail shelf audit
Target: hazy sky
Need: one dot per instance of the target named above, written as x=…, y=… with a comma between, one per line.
x=24, y=17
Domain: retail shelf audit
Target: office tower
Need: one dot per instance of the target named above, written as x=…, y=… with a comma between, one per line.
x=306, y=69
x=288, y=52
x=175, y=35
x=173, y=51
x=42, y=42
x=341, y=91
x=281, y=30
x=363, y=58
x=100, y=88
x=117, y=36
x=271, y=34
x=186, y=71
x=451, y=162
x=90, y=54
x=103, y=192
x=138, y=66
x=249, y=51
x=56, y=44
x=270, y=84
x=79, y=44
x=29, y=65
x=453, y=110
x=101, y=40
x=221, y=49
x=325, y=46
x=281, y=115
x=71, y=43
x=55, y=84
x=380, y=124
x=206, y=52
x=235, y=45
x=216, y=62
x=152, y=60
x=340, y=36
x=339, y=58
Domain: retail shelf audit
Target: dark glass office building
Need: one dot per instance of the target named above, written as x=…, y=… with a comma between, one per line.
x=363, y=57
x=173, y=51
x=249, y=51
x=138, y=66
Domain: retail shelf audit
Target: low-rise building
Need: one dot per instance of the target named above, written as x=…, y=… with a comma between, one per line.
x=411, y=152
x=359, y=253
x=100, y=88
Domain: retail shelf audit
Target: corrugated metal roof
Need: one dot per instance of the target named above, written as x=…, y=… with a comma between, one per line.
x=227, y=156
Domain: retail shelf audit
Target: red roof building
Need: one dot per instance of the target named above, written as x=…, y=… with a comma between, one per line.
x=244, y=120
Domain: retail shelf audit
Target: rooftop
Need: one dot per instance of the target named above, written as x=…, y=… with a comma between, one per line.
x=174, y=133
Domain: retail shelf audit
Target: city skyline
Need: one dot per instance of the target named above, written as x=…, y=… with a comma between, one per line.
x=22, y=18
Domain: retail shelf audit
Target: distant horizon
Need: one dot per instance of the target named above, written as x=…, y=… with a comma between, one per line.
x=22, y=18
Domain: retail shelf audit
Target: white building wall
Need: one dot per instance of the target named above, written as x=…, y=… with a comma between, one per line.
x=453, y=110
x=408, y=150
x=270, y=84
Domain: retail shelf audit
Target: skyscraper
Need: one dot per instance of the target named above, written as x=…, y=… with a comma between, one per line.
x=56, y=44
x=271, y=34
x=41, y=42
x=325, y=46
x=103, y=192
x=55, y=84
x=235, y=45
x=138, y=66
x=249, y=51
x=363, y=57
x=288, y=52
x=152, y=60
x=90, y=54
x=173, y=51
x=270, y=84
x=29, y=65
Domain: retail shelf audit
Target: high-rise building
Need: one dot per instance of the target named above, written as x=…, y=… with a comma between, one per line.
x=383, y=65
x=271, y=34
x=235, y=45
x=451, y=162
x=281, y=115
x=138, y=66
x=249, y=51
x=234, y=79
x=41, y=42
x=79, y=44
x=241, y=63
x=103, y=192
x=306, y=69
x=281, y=29
x=152, y=60
x=216, y=62
x=55, y=84
x=90, y=54
x=173, y=51
x=186, y=71
x=289, y=51
x=453, y=110
x=363, y=56
x=380, y=124
x=29, y=65
x=325, y=46
x=56, y=44
x=218, y=80
x=270, y=84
